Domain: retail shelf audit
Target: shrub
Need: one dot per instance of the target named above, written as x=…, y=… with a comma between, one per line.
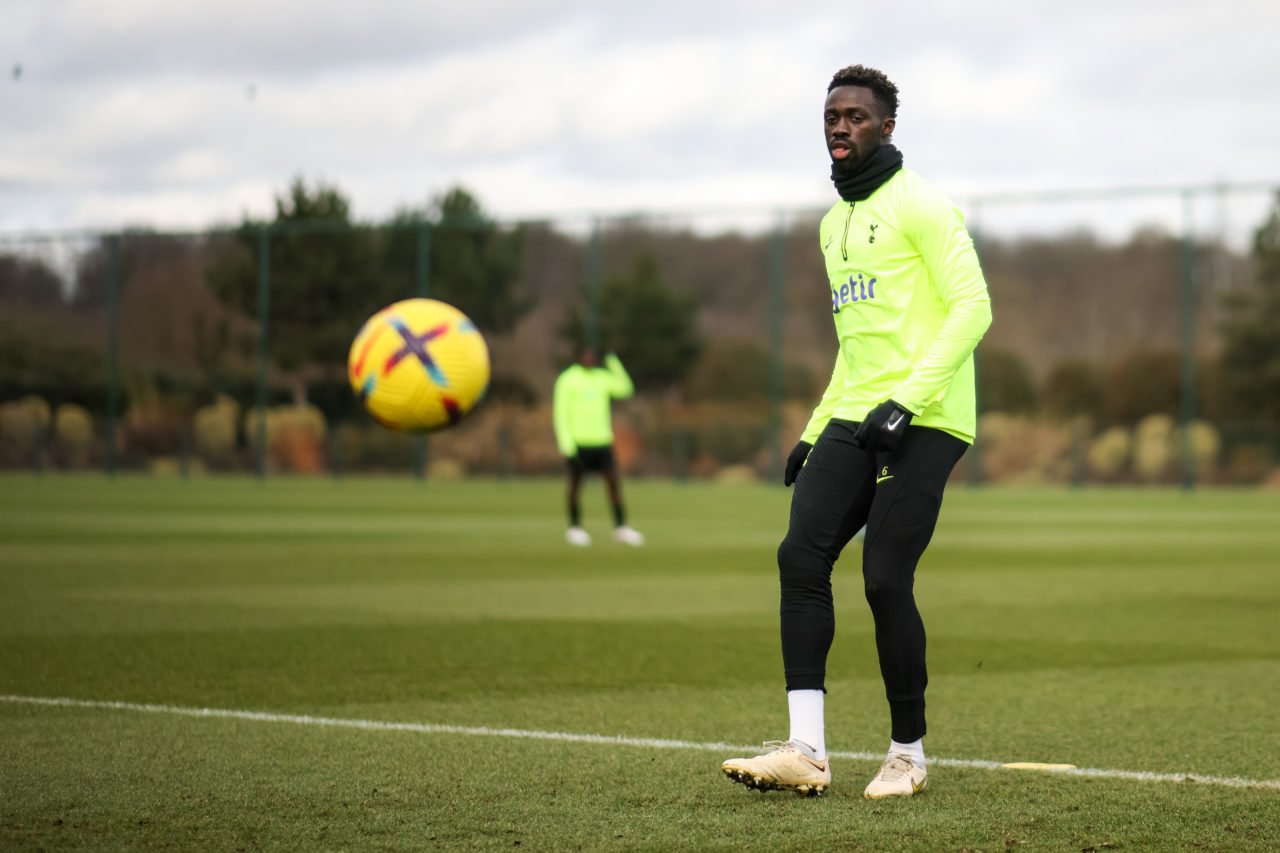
x=1109, y=453
x=73, y=431
x=1023, y=450
x=215, y=431
x=295, y=437
x=1205, y=444
x=24, y=423
x=1153, y=447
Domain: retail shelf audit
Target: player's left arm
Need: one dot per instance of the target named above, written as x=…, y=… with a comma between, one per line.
x=936, y=227
x=620, y=384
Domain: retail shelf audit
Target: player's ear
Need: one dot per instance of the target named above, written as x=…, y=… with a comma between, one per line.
x=886, y=129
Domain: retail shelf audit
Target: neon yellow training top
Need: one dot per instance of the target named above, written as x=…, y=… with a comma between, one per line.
x=910, y=306
x=580, y=404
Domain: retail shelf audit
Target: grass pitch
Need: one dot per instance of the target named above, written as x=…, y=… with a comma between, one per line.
x=1127, y=631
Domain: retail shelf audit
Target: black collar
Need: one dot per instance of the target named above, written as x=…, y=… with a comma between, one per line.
x=867, y=176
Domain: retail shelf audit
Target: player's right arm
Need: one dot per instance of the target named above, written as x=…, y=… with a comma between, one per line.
x=827, y=405
x=562, y=415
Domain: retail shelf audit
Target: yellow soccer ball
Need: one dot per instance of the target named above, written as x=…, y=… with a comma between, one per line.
x=419, y=365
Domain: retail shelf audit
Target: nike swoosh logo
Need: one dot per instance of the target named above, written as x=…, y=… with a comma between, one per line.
x=880, y=480
x=894, y=420
x=915, y=789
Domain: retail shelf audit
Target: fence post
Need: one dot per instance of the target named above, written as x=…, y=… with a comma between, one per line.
x=1080, y=428
x=777, y=285
x=113, y=350
x=336, y=463
x=40, y=450
x=1187, y=305
x=680, y=451
x=973, y=465
x=504, y=451
x=422, y=288
x=422, y=278
x=264, y=308
x=593, y=286
x=184, y=451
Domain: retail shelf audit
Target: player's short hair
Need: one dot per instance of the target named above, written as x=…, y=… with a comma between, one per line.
x=882, y=87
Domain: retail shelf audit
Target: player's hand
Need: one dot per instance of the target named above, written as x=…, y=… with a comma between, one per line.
x=883, y=427
x=574, y=462
x=795, y=461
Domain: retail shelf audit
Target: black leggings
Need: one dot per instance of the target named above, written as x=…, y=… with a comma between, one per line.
x=896, y=495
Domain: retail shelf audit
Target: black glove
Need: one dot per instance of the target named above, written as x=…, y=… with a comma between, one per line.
x=883, y=427
x=795, y=461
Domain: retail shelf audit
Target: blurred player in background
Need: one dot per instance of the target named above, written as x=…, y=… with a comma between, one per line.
x=584, y=433
x=910, y=306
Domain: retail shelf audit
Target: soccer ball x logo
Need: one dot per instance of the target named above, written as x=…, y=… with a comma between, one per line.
x=416, y=345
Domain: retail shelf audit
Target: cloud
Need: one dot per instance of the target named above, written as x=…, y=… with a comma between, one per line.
x=135, y=112
x=284, y=39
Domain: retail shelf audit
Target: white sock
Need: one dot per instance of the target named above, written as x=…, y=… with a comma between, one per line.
x=913, y=750
x=806, y=720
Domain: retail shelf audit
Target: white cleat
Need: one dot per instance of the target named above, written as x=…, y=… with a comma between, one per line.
x=628, y=536
x=577, y=536
x=789, y=766
x=899, y=776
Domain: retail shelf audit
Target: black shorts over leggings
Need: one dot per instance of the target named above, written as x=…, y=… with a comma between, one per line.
x=593, y=459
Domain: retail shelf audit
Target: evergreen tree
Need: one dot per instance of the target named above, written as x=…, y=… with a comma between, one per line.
x=653, y=329
x=324, y=279
x=1250, y=367
x=474, y=264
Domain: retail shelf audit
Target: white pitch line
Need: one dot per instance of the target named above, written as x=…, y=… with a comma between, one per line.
x=610, y=740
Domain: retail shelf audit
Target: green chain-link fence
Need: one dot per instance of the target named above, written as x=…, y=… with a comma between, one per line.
x=224, y=351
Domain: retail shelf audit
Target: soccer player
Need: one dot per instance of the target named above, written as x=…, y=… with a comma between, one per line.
x=584, y=433
x=910, y=305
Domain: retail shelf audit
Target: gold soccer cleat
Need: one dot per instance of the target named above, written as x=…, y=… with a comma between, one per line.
x=787, y=766
x=629, y=536
x=898, y=777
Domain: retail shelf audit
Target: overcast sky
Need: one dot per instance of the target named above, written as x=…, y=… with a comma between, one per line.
x=188, y=113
